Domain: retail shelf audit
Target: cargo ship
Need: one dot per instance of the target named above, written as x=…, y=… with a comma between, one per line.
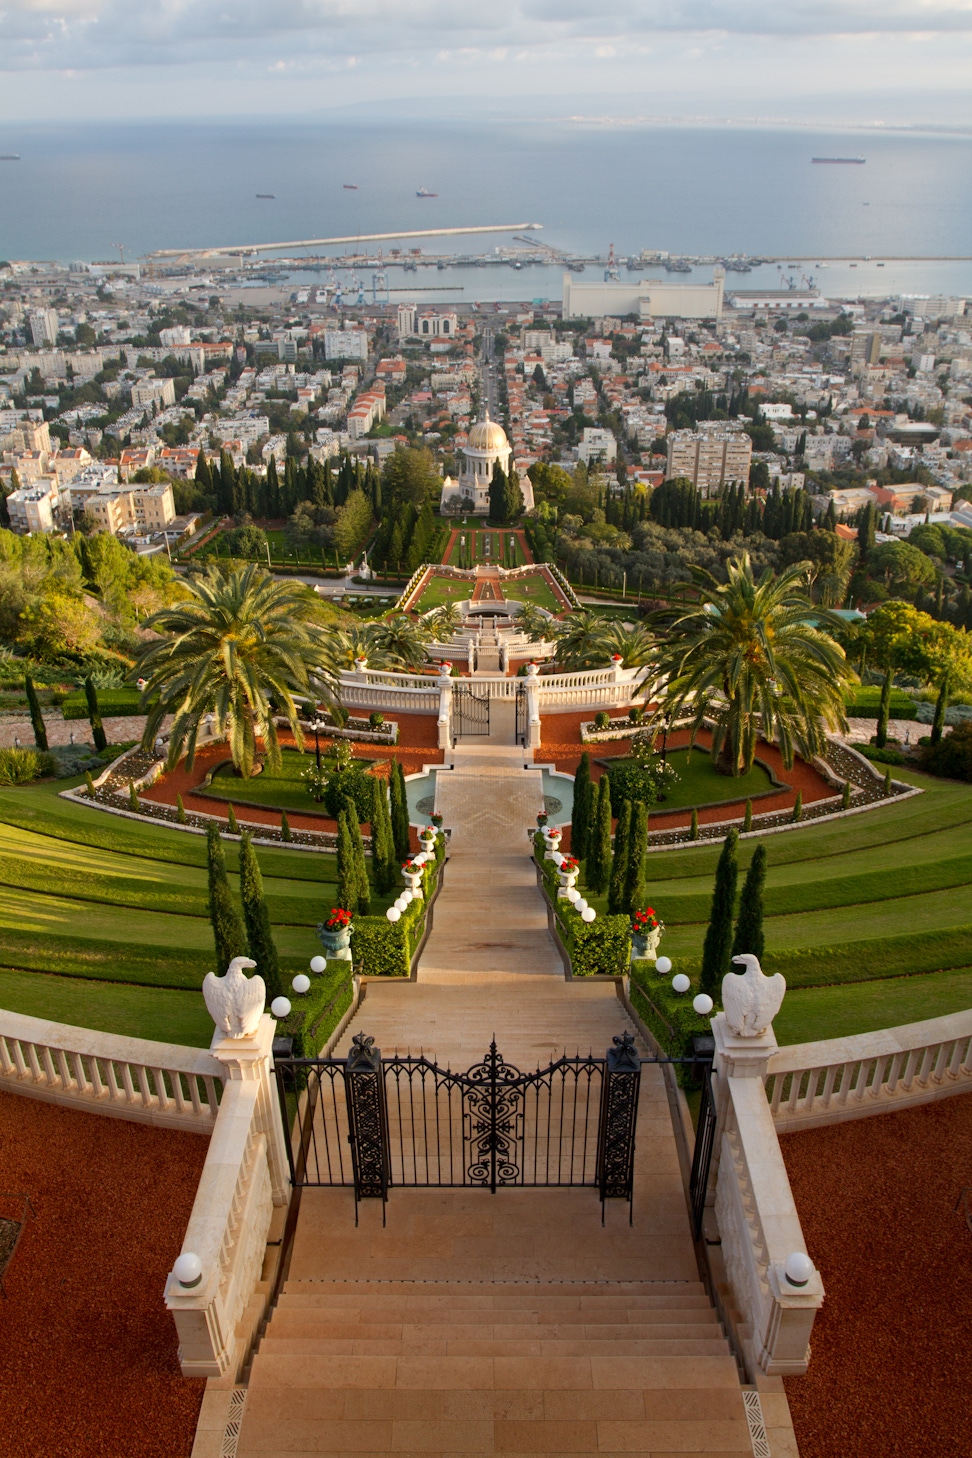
x=350, y=186
x=10, y=157
x=270, y=195
x=841, y=161
x=424, y=192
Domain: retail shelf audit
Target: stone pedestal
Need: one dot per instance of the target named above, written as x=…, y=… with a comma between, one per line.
x=247, y=1059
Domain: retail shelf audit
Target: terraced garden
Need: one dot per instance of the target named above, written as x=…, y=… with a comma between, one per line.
x=101, y=901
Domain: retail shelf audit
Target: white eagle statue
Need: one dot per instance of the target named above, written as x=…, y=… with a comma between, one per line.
x=235, y=1002
x=752, y=1001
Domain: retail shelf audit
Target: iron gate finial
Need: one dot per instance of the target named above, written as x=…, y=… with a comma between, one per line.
x=623, y=1057
x=363, y=1055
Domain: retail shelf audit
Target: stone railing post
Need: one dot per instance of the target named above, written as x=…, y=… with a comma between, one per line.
x=735, y=1057
x=249, y=1059
x=445, y=705
x=533, y=706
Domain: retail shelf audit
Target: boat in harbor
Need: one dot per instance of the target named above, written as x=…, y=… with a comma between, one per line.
x=424, y=192
x=841, y=161
x=270, y=195
x=10, y=157
x=350, y=186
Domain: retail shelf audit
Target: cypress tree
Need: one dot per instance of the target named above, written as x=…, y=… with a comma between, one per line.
x=94, y=717
x=580, y=819
x=749, y=924
x=599, y=851
x=694, y=827
x=399, y=811
x=257, y=918
x=937, y=729
x=383, y=862
x=884, y=711
x=798, y=806
x=228, y=932
x=285, y=826
x=360, y=863
x=748, y=817
x=347, y=865
x=621, y=861
x=232, y=828
x=637, y=875
x=845, y=796
x=89, y=784
x=133, y=797
x=180, y=810
x=37, y=718
x=718, y=936
x=888, y=786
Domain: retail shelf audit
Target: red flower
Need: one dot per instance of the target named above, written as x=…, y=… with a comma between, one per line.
x=338, y=919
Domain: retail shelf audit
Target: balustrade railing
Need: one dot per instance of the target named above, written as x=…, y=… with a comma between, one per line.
x=130, y=1078
x=809, y=1084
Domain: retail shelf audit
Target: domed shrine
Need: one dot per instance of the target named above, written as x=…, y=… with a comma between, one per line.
x=486, y=447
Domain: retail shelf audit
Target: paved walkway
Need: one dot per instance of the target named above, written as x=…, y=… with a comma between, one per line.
x=508, y=1323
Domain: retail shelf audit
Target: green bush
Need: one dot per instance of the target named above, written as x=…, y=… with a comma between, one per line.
x=864, y=701
x=952, y=758
x=383, y=948
x=602, y=719
x=24, y=766
x=601, y=946
x=112, y=703
x=315, y=1014
x=881, y=756
x=669, y=1014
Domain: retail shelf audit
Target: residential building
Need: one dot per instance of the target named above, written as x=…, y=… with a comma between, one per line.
x=34, y=508
x=43, y=328
x=345, y=344
x=597, y=446
x=153, y=392
x=179, y=335
x=367, y=410
x=111, y=511
x=426, y=323
x=153, y=504
x=709, y=458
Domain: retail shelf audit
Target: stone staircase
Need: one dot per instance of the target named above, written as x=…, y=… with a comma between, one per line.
x=473, y=1367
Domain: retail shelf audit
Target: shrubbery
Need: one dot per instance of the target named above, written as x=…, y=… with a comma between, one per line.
x=24, y=766
x=952, y=758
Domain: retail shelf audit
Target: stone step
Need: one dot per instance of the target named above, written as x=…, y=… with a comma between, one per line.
x=362, y=1324
x=445, y=1343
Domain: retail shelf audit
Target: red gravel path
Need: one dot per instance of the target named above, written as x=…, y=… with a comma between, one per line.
x=889, y=1368
x=560, y=744
x=88, y=1365
x=417, y=746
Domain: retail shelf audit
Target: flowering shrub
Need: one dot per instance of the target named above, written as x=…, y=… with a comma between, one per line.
x=541, y=817
x=427, y=832
x=339, y=919
x=645, y=921
x=569, y=865
x=410, y=868
x=436, y=821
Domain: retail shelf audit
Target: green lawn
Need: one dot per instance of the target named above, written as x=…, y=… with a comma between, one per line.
x=133, y=1012
x=441, y=590
x=810, y=1014
x=486, y=545
x=698, y=783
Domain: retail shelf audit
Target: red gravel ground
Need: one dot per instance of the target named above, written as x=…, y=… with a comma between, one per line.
x=889, y=1368
x=560, y=744
x=418, y=734
x=88, y=1365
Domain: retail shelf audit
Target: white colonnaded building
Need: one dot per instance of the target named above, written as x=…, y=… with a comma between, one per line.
x=486, y=448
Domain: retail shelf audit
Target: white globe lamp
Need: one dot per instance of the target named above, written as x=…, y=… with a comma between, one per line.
x=301, y=983
x=188, y=1270
x=680, y=982
x=588, y=914
x=663, y=966
x=573, y=895
x=703, y=1004
x=318, y=965
x=280, y=1007
x=393, y=914
x=798, y=1268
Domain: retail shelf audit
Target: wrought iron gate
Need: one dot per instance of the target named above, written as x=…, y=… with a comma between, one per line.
x=470, y=711
x=373, y=1123
x=521, y=715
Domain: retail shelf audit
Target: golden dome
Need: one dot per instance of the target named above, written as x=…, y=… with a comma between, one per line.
x=486, y=435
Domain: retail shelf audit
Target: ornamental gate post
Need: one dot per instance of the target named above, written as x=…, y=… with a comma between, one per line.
x=618, y=1121
x=367, y=1120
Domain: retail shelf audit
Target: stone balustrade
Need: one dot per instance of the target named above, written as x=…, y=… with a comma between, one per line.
x=130, y=1078
x=810, y=1084
x=244, y=1178
x=760, y=1229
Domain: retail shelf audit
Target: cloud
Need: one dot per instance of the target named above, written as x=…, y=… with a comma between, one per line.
x=58, y=34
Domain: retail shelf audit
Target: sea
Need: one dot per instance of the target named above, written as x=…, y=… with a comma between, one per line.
x=901, y=223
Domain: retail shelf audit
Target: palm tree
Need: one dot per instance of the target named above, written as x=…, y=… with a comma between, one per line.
x=402, y=641
x=534, y=623
x=237, y=648
x=637, y=647
x=755, y=657
x=359, y=640
x=443, y=621
x=582, y=643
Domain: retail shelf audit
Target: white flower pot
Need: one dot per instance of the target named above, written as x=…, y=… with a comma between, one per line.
x=414, y=879
x=428, y=845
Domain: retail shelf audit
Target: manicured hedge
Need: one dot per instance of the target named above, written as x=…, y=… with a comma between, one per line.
x=383, y=948
x=669, y=1014
x=112, y=703
x=315, y=1014
x=601, y=946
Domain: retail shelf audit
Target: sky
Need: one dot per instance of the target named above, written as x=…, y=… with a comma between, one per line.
x=890, y=62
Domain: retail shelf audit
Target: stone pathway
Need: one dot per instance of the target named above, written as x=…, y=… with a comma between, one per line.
x=510, y=1323
x=120, y=729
